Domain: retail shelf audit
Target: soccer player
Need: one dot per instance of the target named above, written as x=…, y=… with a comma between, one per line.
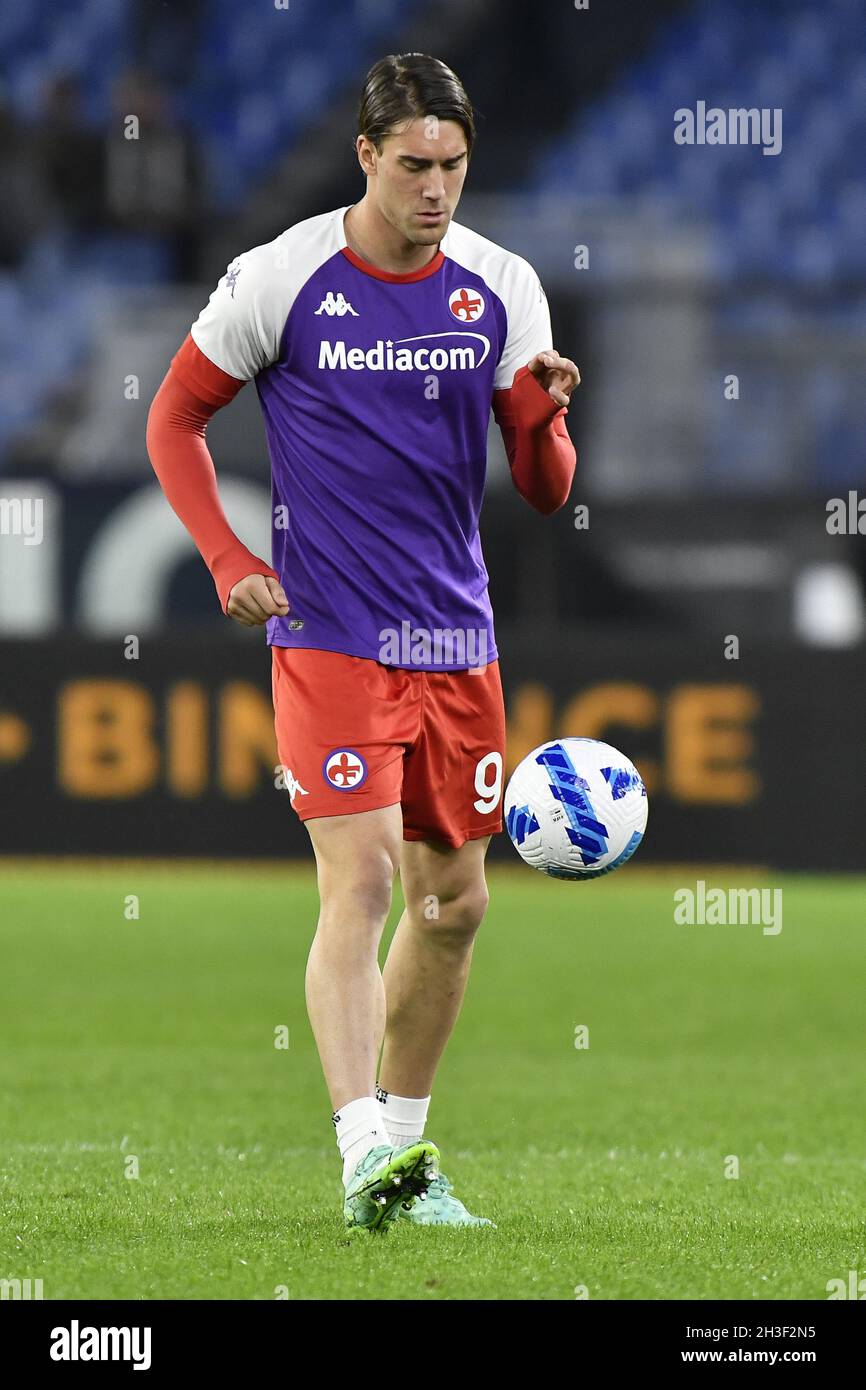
x=379, y=336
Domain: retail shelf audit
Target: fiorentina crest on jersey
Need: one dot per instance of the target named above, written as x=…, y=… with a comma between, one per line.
x=467, y=305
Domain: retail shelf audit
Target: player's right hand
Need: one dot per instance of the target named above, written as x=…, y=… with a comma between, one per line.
x=255, y=599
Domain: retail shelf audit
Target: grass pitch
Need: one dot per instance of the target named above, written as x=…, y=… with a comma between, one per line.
x=155, y=1143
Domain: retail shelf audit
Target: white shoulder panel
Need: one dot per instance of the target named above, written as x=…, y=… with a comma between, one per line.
x=515, y=282
x=241, y=325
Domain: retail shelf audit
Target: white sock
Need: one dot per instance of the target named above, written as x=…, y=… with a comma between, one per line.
x=404, y=1117
x=360, y=1128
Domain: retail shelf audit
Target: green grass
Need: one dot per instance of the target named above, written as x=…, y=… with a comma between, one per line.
x=603, y=1167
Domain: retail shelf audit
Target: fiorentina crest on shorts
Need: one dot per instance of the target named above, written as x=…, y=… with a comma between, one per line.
x=344, y=769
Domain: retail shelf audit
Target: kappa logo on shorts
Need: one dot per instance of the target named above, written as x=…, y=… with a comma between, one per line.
x=344, y=769
x=293, y=786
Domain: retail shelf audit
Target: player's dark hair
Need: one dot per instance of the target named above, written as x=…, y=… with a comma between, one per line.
x=403, y=87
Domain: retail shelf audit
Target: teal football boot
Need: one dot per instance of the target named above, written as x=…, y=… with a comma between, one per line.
x=386, y=1177
x=439, y=1207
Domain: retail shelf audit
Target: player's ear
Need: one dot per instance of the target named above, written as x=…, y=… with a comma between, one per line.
x=365, y=151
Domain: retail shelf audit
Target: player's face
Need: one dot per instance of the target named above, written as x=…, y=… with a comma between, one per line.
x=419, y=178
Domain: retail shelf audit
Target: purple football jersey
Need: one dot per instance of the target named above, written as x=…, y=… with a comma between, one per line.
x=376, y=391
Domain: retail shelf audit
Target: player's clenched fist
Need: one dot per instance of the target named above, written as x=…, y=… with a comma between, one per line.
x=255, y=599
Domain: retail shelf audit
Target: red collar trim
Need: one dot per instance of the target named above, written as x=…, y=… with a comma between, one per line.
x=394, y=277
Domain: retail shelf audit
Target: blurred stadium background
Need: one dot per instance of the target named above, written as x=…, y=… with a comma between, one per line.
x=670, y=270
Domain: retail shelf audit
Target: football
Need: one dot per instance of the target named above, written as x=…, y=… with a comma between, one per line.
x=575, y=808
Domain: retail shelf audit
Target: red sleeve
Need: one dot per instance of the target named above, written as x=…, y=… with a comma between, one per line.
x=538, y=445
x=192, y=391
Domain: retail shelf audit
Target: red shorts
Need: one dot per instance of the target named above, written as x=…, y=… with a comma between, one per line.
x=356, y=735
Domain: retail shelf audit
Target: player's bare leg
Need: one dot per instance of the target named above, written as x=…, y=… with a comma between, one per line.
x=425, y=979
x=357, y=857
x=428, y=963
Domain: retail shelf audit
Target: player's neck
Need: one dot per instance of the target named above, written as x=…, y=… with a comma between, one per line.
x=372, y=238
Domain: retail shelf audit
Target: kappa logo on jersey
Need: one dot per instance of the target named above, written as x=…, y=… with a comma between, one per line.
x=232, y=278
x=466, y=305
x=293, y=786
x=339, y=306
x=344, y=769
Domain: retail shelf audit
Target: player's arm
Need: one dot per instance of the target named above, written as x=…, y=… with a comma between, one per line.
x=235, y=337
x=531, y=418
x=191, y=392
x=532, y=388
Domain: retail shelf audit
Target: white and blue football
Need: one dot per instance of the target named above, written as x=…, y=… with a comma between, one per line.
x=575, y=808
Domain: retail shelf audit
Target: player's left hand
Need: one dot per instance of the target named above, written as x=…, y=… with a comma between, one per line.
x=558, y=375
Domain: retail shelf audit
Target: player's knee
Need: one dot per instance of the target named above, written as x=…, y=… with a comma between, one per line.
x=360, y=892
x=461, y=914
